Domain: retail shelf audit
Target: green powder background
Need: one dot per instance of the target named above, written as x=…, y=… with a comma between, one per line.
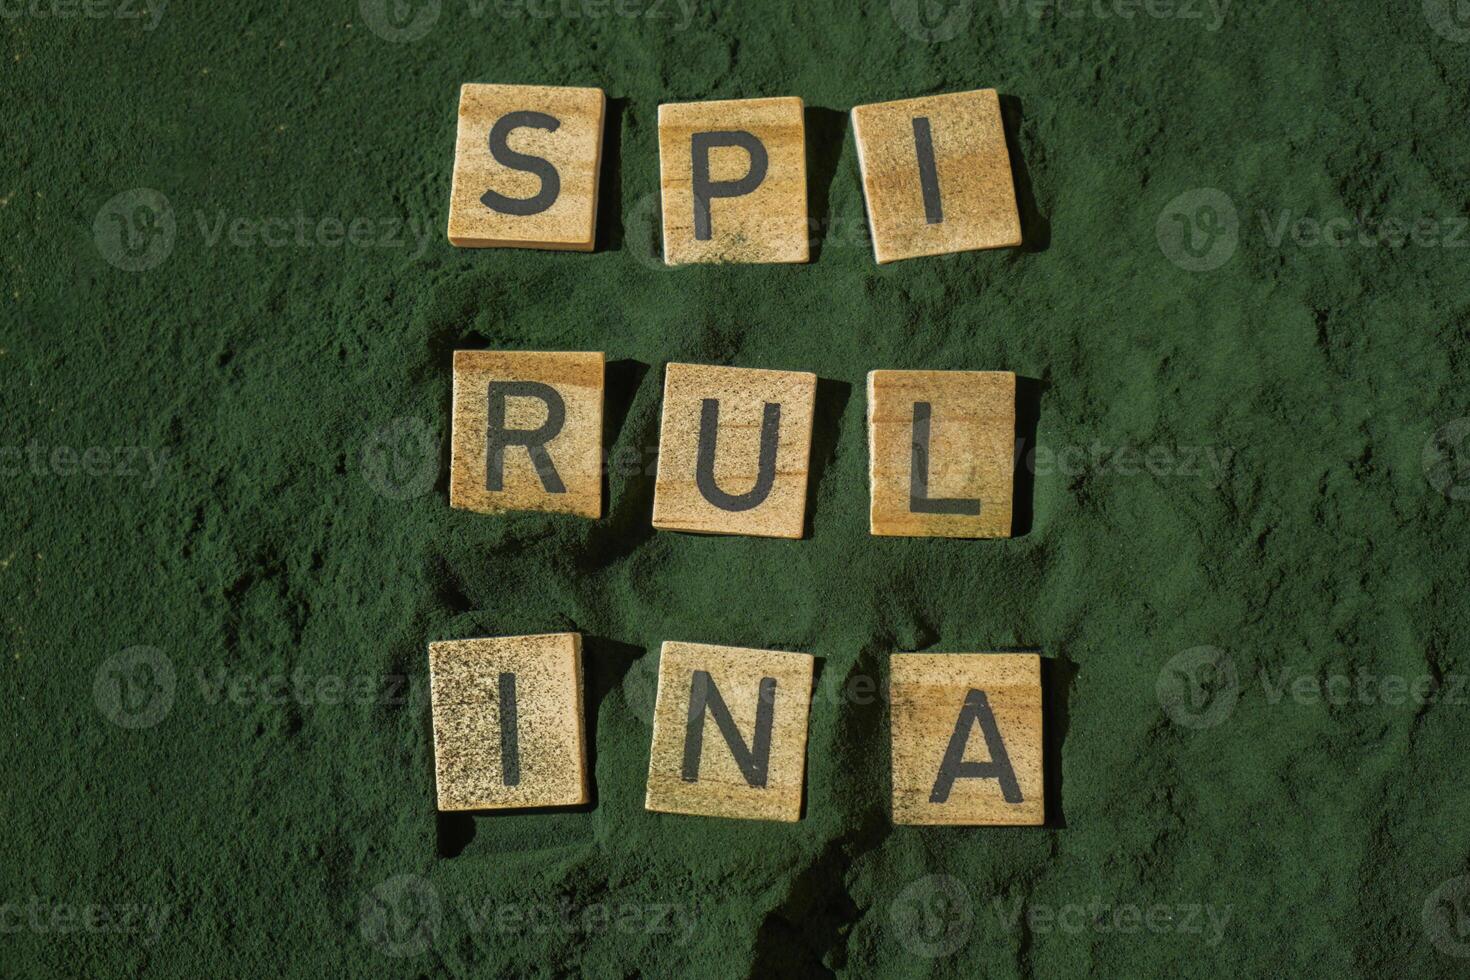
x=299, y=523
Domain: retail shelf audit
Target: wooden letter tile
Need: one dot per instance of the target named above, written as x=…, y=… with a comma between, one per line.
x=527, y=432
x=967, y=743
x=733, y=175
x=526, y=164
x=729, y=732
x=508, y=729
x=734, y=450
x=942, y=453
x=936, y=175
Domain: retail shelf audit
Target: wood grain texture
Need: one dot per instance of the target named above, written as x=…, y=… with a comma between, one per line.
x=742, y=393
x=769, y=224
x=574, y=148
x=976, y=191
x=550, y=754
x=722, y=788
x=575, y=451
x=970, y=453
x=928, y=693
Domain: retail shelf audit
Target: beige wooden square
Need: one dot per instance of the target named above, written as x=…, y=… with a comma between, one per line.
x=753, y=215
x=748, y=473
x=526, y=161
x=942, y=448
x=936, y=175
x=527, y=432
x=746, y=758
x=483, y=761
x=966, y=731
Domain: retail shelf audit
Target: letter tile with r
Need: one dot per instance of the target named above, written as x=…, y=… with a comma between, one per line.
x=527, y=432
x=734, y=451
x=729, y=732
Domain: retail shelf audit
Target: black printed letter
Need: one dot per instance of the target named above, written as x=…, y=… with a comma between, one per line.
x=705, y=189
x=497, y=436
x=704, y=470
x=954, y=766
x=504, y=155
x=919, y=500
x=754, y=761
x=928, y=173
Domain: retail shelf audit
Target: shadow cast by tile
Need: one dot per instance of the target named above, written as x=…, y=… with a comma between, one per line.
x=825, y=131
x=1028, y=417
x=609, y=231
x=1035, y=226
x=831, y=405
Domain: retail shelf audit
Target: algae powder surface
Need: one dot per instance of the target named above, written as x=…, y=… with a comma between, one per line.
x=230, y=310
